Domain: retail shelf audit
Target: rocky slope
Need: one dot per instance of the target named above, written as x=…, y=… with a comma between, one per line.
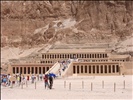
x=32, y=26
x=28, y=27
x=24, y=22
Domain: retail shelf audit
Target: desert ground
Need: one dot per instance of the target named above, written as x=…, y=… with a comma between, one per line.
x=74, y=87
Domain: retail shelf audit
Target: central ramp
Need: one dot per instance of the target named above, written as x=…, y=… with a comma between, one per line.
x=54, y=69
x=68, y=71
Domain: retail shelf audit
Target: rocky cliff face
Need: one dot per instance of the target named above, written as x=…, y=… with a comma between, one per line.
x=32, y=23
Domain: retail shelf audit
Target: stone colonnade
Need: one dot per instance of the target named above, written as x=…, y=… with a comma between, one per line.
x=102, y=68
x=72, y=55
x=28, y=69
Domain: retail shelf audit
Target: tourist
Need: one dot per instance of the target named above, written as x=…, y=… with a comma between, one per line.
x=18, y=80
x=27, y=78
x=37, y=77
x=4, y=80
x=23, y=80
x=50, y=81
x=59, y=72
x=40, y=77
x=32, y=79
x=46, y=81
x=14, y=79
x=8, y=79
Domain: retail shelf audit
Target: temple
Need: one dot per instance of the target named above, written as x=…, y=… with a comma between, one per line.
x=82, y=61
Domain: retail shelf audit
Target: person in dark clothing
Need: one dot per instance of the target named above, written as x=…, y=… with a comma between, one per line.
x=50, y=81
x=20, y=78
x=46, y=81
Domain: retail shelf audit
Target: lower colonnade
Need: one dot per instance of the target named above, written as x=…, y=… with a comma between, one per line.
x=79, y=68
x=96, y=68
x=29, y=69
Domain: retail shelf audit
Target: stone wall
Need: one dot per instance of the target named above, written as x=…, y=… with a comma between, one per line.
x=128, y=68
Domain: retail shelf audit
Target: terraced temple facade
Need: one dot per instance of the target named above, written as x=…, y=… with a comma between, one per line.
x=88, y=62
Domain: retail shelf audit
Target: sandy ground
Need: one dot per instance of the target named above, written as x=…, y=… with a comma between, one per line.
x=80, y=89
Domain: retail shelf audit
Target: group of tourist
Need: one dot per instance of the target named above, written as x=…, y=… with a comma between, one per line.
x=48, y=81
x=8, y=80
x=35, y=78
x=5, y=80
x=48, y=78
x=19, y=79
x=65, y=63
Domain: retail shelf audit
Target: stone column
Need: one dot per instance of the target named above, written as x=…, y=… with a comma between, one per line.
x=76, y=55
x=99, y=69
x=111, y=69
x=115, y=68
x=64, y=56
x=79, y=69
x=59, y=55
x=45, y=69
x=95, y=69
x=86, y=55
x=18, y=69
x=30, y=69
x=103, y=69
x=38, y=69
x=49, y=56
x=107, y=69
x=91, y=69
x=42, y=70
x=75, y=69
x=83, y=69
x=23, y=70
x=46, y=56
x=54, y=56
x=88, y=69
x=15, y=69
x=94, y=55
x=67, y=55
x=26, y=69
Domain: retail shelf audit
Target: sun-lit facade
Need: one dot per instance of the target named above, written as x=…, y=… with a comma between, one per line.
x=90, y=62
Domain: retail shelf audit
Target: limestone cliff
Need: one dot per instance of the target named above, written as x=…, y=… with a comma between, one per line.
x=33, y=23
